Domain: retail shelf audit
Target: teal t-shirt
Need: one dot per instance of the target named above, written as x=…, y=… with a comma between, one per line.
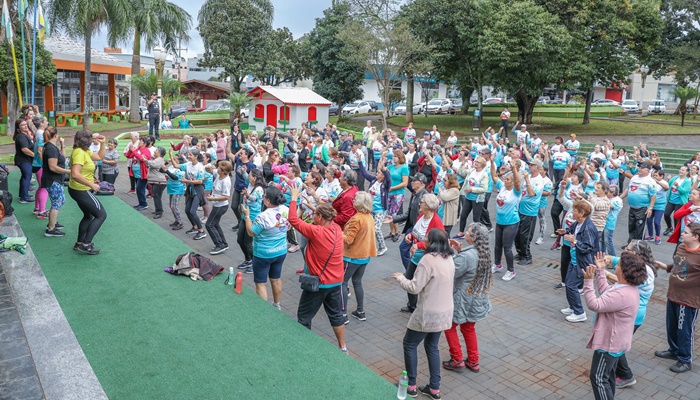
x=548, y=186
x=640, y=191
x=376, y=192
x=507, y=203
x=397, y=174
x=530, y=205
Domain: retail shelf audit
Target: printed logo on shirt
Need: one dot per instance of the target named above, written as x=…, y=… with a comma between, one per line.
x=500, y=202
x=634, y=188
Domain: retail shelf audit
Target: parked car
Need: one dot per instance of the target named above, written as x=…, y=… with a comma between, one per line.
x=217, y=107
x=606, y=102
x=657, y=107
x=492, y=100
x=176, y=110
x=438, y=106
x=374, y=105
x=630, y=106
x=143, y=112
x=362, y=107
x=195, y=109
x=455, y=106
x=333, y=109
x=400, y=109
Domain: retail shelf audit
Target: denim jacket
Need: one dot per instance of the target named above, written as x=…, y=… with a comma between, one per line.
x=586, y=243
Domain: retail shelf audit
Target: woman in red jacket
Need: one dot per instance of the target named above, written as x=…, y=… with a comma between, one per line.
x=343, y=204
x=139, y=168
x=324, y=258
x=686, y=215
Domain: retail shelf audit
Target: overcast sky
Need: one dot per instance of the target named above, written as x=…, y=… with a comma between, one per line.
x=297, y=15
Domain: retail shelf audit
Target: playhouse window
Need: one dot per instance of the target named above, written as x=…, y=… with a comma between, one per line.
x=312, y=113
x=259, y=111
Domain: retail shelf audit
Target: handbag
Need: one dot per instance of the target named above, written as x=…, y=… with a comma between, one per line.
x=310, y=283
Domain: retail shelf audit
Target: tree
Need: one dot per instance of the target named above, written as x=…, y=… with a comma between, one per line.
x=291, y=62
x=524, y=48
x=684, y=94
x=153, y=22
x=81, y=19
x=237, y=101
x=335, y=77
x=395, y=97
x=382, y=40
x=149, y=84
x=233, y=32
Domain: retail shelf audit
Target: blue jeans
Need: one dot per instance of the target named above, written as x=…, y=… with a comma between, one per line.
x=405, y=251
x=141, y=192
x=654, y=223
x=410, y=355
x=609, y=247
x=574, y=278
x=680, y=326
x=24, y=180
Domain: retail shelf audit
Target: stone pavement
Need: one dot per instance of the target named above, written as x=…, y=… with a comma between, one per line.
x=528, y=350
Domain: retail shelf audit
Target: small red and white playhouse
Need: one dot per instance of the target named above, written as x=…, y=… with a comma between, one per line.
x=286, y=108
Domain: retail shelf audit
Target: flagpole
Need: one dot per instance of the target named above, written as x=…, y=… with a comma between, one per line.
x=34, y=51
x=14, y=60
x=22, y=19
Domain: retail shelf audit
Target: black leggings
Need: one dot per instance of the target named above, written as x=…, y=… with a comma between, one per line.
x=111, y=178
x=93, y=214
x=246, y=242
x=132, y=180
x=236, y=198
x=158, y=197
x=505, y=236
x=467, y=208
x=555, y=212
x=668, y=213
x=191, y=205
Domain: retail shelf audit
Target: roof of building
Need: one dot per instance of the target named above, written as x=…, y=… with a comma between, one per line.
x=66, y=49
x=292, y=96
x=225, y=86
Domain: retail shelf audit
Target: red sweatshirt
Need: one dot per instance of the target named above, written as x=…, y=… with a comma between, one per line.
x=343, y=206
x=142, y=154
x=322, y=240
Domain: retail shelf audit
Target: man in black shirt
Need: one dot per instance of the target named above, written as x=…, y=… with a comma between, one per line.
x=153, y=116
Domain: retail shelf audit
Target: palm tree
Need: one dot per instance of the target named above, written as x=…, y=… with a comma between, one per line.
x=237, y=101
x=153, y=22
x=149, y=84
x=81, y=19
x=684, y=93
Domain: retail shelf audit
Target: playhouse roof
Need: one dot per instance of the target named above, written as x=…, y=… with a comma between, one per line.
x=297, y=96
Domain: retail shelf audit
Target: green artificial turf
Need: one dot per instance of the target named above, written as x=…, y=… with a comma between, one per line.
x=152, y=335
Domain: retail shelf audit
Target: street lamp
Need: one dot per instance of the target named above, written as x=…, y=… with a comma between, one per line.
x=644, y=70
x=159, y=57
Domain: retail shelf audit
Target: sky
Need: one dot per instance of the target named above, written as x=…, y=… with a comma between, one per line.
x=297, y=15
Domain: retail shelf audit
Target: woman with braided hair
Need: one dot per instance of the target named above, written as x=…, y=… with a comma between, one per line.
x=473, y=278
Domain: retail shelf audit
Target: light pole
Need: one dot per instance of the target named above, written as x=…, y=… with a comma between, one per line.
x=159, y=57
x=644, y=70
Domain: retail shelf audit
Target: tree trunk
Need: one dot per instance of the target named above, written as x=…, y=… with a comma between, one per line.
x=526, y=105
x=231, y=111
x=12, y=106
x=466, y=95
x=410, y=89
x=340, y=108
x=480, y=105
x=682, y=118
x=86, y=79
x=587, y=112
x=134, y=97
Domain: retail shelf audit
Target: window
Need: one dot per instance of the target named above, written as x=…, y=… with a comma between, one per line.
x=67, y=90
x=312, y=113
x=665, y=92
x=99, y=91
x=259, y=111
x=284, y=113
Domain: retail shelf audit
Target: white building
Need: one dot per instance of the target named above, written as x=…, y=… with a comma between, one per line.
x=286, y=108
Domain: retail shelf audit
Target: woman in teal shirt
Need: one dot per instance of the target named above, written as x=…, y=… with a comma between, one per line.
x=398, y=171
x=676, y=196
x=507, y=216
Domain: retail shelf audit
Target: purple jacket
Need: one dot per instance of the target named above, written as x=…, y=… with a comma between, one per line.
x=616, y=310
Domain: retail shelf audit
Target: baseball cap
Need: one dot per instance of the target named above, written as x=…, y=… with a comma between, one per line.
x=420, y=177
x=523, y=126
x=536, y=161
x=573, y=135
x=343, y=133
x=644, y=164
x=535, y=134
x=426, y=133
x=485, y=150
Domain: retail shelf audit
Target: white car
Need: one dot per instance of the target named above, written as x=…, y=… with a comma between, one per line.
x=401, y=109
x=630, y=106
x=245, y=110
x=657, y=106
x=606, y=102
x=362, y=107
x=438, y=106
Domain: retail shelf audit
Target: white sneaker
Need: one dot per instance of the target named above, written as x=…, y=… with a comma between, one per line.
x=567, y=311
x=580, y=291
x=576, y=318
x=496, y=268
x=540, y=240
x=293, y=248
x=380, y=252
x=509, y=275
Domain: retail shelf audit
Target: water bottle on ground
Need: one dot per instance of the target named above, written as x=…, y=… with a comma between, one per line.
x=239, y=282
x=231, y=276
x=403, y=386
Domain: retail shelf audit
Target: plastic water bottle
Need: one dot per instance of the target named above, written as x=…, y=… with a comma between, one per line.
x=239, y=283
x=403, y=386
x=231, y=276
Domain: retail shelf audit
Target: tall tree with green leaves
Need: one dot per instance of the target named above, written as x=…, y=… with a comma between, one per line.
x=291, y=61
x=152, y=23
x=335, y=77
x=81, y=19
x=684, y=93
x=233, y=32
x=148, y=83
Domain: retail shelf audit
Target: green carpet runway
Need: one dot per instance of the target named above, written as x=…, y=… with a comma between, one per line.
x=151, y=335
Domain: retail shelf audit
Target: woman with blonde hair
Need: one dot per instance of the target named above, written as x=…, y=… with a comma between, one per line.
x=359, y=245
x=475, y=186
x=449, y=196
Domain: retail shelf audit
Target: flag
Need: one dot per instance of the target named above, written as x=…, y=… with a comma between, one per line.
x=22, y=6
x=6, y=21
x=41, y=22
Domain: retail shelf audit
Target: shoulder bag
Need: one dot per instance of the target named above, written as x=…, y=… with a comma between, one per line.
x=310, y=283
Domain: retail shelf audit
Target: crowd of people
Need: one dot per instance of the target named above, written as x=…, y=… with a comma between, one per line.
x=328, y=194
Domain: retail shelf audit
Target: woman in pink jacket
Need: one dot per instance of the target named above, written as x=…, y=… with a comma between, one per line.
x=139, y=168
x=616, y=310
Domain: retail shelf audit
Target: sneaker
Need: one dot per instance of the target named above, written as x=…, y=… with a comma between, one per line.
x=26, y=201
x=410, y=392
x=294, y=248
x=77, y=245
x=539, y=241
x=560, y=285
x=680, y=367
x=43, y=215
x=509, y=276
x=347, y=320
x=88, y=248
x=157, y=215
x=36, y=211
x=277, y=306
x=389, y=236
x=525, y=261
x=580, y=291
x=359, y=315
x=248, y=270
x=567, y=311
x=245, y=264
x=204, y=220
x=624, y=246
x=58, y=226
x=429, y=392
x=140, y=208
x=345, y=350
x=452, y=365
x=53, y=233
x=474, y=367
x=173, y=224
x=623, y=383
x=458, y=236
x=668, y=232
x=408, y=309
x=553, y=235
x=576, y=318
x=518, y=257
x=131, y=192
x=235, y=227
x=191, y=231
x=555, y=246
x=491, y=229
x=218, y=250
x=657, y=240
x=300, y=271
x=496, y=268
x=200, y=236
x=396, y=238
x=382, y=251
x=648, y=238
x=178, y=227
x=665, y=354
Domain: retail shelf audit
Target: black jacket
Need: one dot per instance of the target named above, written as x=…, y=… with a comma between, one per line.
x=411, y=215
